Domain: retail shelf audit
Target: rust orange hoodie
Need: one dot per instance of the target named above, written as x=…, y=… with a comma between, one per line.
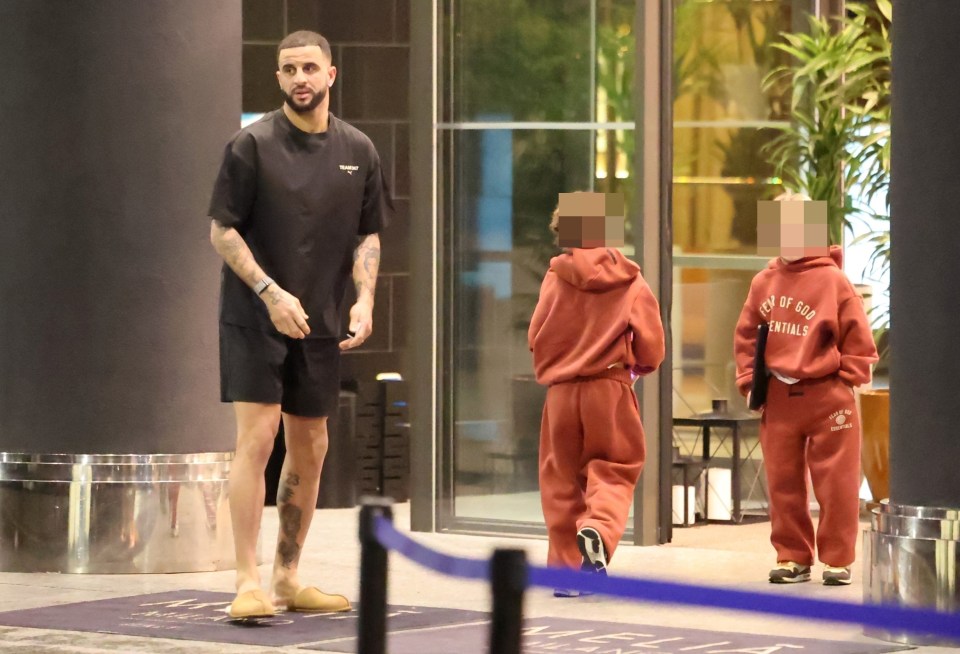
x=595, y=311
x=818, y=326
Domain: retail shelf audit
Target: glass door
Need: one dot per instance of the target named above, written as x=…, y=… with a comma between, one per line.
x=536, y=99
x=722, y=118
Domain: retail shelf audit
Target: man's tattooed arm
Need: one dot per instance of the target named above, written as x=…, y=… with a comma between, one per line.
x=230, y=245
x=366, y=265
x=285, y=310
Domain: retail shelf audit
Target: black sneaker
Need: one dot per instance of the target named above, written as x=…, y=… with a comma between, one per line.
x=833, y=576
x=788, y=572
x=591, y=549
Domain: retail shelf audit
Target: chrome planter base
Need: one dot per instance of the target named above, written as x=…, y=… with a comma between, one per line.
x=110, y=513
x=911, y=559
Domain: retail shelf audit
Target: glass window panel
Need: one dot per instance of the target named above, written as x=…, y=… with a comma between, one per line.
x=723, y=118
x=524, y=60
x=504, y=192
x=722, y=53
x=719, y=175
x=615, y=58
x=515, y=60
x=706, y=305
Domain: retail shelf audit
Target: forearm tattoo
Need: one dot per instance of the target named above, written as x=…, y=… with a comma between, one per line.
x=291, y=519
x=235, y=251
x=366, y=265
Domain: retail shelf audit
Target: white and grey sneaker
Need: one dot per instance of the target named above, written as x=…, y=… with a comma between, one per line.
x=591, y=549
x=836, y=576
x=788, y=572
x=566, y=592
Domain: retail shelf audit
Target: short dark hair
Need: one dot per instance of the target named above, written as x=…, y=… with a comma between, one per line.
x=305, y=38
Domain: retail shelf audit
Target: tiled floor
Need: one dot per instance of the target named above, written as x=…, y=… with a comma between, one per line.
x=736, y=556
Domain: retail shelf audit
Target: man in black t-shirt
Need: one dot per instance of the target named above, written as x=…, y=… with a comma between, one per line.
x=297, y=205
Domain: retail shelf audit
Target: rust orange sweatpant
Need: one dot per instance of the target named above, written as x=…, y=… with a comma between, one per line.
x=812, y=425
x=591, y=452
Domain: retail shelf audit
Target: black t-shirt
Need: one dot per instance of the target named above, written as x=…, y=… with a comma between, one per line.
x=300, y=201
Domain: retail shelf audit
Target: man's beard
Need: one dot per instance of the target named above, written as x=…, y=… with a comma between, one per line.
x=318, y=97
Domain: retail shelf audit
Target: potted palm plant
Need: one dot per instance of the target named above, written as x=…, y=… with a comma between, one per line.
x=838, y=150
x=839, y=76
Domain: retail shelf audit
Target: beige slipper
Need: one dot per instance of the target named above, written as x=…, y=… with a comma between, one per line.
x=251, y=604
x=313, y=600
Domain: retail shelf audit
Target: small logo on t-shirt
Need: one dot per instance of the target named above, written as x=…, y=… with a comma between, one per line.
x=349, y=169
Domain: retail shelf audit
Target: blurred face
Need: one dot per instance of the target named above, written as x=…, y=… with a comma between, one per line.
x=792, y=229
x=305, y=74
x=590, y=220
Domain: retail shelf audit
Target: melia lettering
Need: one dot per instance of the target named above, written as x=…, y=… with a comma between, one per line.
x=772, y=649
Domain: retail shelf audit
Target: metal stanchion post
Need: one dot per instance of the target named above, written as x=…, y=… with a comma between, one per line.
x=508, y=576
x=372, y=619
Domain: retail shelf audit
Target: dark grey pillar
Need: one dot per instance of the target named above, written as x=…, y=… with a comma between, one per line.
x=424, y=339
x=925, y=290
x=113, y=118
x=911, y=554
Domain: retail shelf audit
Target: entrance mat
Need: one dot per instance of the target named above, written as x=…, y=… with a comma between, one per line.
x=200, y=615
x=566, y=636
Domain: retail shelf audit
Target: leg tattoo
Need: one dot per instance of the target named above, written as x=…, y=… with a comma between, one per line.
x=286, y=487
x=291, y=518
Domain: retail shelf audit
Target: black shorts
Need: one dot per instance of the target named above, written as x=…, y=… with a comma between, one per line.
x=302, y=376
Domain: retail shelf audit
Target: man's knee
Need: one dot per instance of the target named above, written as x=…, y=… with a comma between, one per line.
x=312, y=455
x=256, y=445
x=307, y=440
x=256, y=432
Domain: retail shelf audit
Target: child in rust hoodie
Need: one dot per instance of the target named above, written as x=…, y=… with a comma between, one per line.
x=819, y=348
x=596, y=328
